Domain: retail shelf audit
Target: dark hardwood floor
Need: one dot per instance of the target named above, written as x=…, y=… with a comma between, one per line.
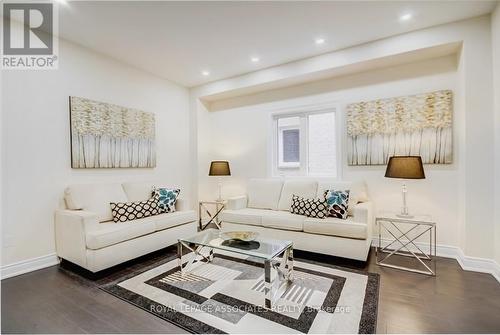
x=55, y=300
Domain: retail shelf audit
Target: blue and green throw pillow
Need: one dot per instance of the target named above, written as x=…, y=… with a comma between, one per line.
x=167, y=198
x=337, y=202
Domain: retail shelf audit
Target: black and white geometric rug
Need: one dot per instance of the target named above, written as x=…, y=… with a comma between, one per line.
x=227, y=296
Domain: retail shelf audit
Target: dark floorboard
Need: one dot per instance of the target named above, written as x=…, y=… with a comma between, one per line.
x=54, y=300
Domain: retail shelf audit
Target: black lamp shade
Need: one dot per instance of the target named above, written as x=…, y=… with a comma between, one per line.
x=219, y=168
x=405, y=167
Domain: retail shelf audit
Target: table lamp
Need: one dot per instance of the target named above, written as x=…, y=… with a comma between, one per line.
x=219, y=169
x=405, y=167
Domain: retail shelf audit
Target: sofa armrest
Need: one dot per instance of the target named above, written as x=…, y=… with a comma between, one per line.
x=182, y=205
x=237, y=202
x=363, y=213
x=70, y=234
x=77, y=217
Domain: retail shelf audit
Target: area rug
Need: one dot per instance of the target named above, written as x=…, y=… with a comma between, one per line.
x=227, y=296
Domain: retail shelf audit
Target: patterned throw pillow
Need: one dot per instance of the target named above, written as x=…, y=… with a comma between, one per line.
x=337, y=202
x=166, y=198
x=315, y=208
x=127, y=211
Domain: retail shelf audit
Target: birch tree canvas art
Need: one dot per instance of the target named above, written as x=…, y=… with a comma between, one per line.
x=110, y=136
x=418, y=125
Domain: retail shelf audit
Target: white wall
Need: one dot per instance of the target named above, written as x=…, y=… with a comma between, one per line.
x=36, y=145
x=459, y=196
x=478, y=190
x=495, y=38
x=241, y=135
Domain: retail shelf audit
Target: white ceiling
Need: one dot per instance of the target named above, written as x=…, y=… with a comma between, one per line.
x=178, y=40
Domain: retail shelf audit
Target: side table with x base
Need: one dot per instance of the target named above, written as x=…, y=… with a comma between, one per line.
x=212, y=216
x=405, y=233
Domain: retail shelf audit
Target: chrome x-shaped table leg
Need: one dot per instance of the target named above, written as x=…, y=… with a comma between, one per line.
x=283, y=264
x=197, y=257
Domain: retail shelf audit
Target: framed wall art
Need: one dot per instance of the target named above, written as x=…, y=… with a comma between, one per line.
x=110, y=136
x=419, y=125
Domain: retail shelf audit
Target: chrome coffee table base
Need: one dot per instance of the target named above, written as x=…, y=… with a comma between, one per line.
x=282, y=263
x=199, y=256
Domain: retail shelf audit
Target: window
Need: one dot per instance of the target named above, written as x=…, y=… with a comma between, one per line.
x=289, y=142
x=305, y=144
x=291, y=150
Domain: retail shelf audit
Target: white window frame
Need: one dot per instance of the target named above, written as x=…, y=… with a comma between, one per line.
x=303, y=112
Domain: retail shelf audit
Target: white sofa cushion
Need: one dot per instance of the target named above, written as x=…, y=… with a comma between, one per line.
x=138, y=191
x=237, y=202
x=264, y=193
x=357, y=191
x=336, y=227
x=302, y=188
x=94, y=198
x=283, y=220
x=250, y=216
x=109, y=233
x=168, y=220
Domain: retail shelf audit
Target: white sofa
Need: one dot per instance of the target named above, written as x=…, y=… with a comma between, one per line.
x=265, y=209
x=87, y=236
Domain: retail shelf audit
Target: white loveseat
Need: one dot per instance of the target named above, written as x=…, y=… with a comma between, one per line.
x=87, y=236
x=265, y=209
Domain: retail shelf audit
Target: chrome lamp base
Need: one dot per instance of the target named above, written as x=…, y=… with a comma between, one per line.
x=404, y=210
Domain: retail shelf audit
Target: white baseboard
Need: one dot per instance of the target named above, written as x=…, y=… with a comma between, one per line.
x=467, y=263
x=37, y=263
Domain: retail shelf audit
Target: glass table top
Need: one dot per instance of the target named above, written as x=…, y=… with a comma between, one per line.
x=418, y=218
x=263, y=248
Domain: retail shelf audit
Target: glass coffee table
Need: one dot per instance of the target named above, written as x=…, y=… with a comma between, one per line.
x=275, y=254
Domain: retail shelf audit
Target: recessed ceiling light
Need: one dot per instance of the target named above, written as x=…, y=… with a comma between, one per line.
x=255, y=59
x=319, y=41
x=205, y=73
x=405, y=17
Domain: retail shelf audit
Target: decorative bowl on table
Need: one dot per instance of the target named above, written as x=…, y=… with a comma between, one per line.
x=245, y=236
